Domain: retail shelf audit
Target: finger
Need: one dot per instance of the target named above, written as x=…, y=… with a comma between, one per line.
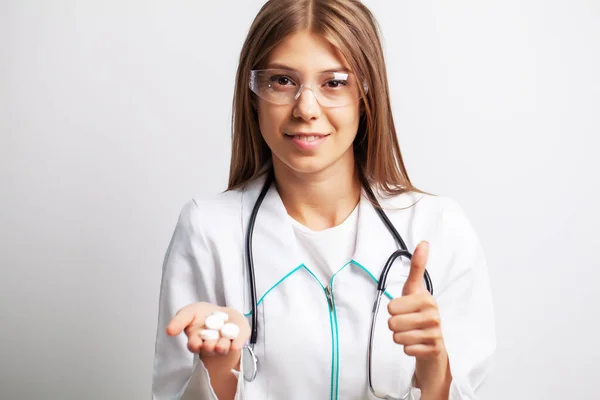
x=222, y=347
x=411, y=303
x=208, y=347
x=239, y=342
x=418, y=336
x=193, y=329
x=182, y=319
x=416, y=320
x=414, y=282
x=423, y=350
x=195, y=343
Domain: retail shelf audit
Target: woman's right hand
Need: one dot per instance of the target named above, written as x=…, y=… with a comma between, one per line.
x=190, y=319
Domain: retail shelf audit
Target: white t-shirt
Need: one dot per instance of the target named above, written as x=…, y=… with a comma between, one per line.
x=325, y=252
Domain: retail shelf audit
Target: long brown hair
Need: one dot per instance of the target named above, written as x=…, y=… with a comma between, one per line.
x=351, y=27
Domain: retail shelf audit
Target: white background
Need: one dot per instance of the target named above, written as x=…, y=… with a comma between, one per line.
x=114, y=113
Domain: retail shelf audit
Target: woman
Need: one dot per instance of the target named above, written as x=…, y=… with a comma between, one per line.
x=312, y=113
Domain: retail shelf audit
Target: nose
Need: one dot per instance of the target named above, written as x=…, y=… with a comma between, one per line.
x=306, y=107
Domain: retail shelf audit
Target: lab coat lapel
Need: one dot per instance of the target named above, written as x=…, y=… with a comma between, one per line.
x=274, y=245
x=375, y=243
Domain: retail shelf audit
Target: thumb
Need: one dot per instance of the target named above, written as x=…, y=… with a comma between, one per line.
x=414, y=282
x=182, y=319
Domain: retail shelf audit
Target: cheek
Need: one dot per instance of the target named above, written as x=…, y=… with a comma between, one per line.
x=345, y=120
x=271, y=119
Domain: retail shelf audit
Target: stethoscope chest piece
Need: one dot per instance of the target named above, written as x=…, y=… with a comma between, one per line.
x=250, y=363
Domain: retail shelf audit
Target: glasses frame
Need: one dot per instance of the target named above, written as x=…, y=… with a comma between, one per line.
x=254, y=73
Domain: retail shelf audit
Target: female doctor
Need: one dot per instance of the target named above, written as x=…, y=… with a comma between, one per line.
x=293, y=251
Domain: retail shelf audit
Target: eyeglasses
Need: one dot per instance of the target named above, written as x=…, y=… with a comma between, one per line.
x=331, y=89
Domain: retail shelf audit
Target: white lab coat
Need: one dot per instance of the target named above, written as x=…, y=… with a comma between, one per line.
x=306, y=349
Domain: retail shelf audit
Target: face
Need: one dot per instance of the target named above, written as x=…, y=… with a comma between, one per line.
x=306, y=137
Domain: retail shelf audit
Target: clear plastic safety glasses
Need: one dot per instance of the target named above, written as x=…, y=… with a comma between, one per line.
x=331, y=89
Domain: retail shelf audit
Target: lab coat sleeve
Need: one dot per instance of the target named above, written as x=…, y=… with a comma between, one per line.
x=465, y=304
x=188, y=276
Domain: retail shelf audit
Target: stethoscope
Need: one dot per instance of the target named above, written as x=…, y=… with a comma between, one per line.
x=250, y=359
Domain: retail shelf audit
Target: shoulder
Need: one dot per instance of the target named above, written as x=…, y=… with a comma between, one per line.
x=455, y=247
x=433, y=206
x=209, y=215
x=217, y=206
x=441, y=213
x=444, y=218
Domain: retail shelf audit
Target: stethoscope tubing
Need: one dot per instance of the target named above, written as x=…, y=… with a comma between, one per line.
x=250, y=257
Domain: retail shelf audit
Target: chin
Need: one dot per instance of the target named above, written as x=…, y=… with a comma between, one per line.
x=307, y=165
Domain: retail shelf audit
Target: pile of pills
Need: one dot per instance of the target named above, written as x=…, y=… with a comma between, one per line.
x=216, y=326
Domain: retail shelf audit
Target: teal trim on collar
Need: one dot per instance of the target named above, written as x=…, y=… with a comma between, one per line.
x=249, y=313
x=389, y=296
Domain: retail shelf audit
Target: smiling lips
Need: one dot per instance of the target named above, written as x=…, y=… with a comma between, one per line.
x=307, y=141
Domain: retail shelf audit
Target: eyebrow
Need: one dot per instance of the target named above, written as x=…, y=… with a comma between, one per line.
x=287, y=68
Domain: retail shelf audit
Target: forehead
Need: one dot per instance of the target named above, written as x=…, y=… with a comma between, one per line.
x=307, y=52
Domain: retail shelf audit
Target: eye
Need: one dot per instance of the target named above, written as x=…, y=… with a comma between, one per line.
x=335, y=83
x=282, y=80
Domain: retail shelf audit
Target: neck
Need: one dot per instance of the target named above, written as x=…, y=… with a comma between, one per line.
x=319, y=200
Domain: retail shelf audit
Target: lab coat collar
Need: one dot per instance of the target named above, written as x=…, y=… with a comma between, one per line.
x=274, y=231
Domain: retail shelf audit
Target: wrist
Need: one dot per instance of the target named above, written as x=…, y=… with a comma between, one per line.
x=433, y=377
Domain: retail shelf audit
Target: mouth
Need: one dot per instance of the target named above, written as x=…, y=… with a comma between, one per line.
x=307, y=137
x=307, y=141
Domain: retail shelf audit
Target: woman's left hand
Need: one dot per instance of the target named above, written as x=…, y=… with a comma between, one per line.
x=416, y=324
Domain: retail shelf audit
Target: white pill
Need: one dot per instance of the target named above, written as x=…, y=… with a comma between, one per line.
x=220, y=314
x=209, y=334
x=230, y=331
x=214, y=322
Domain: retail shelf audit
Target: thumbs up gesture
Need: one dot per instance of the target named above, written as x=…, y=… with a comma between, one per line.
x=415, y=323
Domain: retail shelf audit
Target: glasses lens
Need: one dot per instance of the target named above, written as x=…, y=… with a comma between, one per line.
x=337, y=89
x=276, y=86
x=332, y=89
